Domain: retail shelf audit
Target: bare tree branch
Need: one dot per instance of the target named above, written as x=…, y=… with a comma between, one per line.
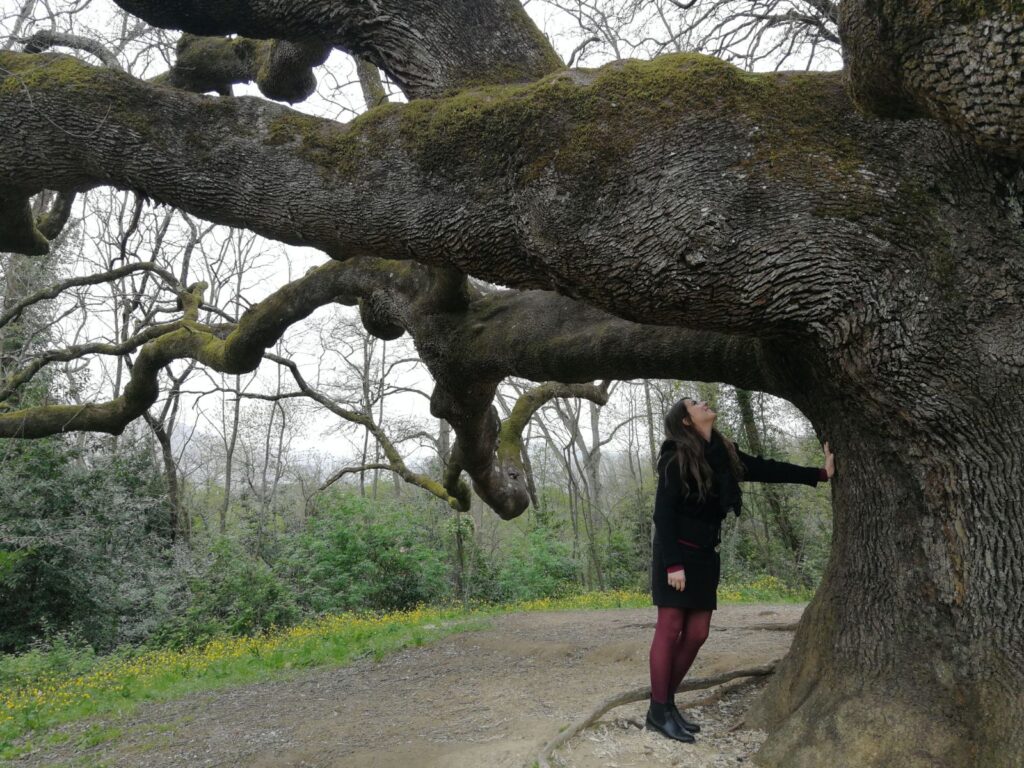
x=456, y=497
x=44, y=39
x=53, y=291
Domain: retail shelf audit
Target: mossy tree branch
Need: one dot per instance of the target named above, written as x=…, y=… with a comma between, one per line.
x=529, y=168
x=504, y=483
x=227, y=348
x=470, y=340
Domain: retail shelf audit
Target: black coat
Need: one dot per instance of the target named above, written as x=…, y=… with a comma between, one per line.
x=698, y=521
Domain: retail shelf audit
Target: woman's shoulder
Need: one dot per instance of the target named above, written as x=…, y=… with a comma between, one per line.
x=666, y=455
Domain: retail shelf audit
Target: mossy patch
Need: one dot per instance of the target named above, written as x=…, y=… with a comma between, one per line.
x=40, y=71
x=35, y=74
x=582, y=123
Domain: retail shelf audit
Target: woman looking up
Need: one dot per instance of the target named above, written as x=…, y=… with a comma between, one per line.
x=698, y=484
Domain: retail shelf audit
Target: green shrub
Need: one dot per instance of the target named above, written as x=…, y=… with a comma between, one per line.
x=235, y=594
x=84, y=542
x=60, y=654
x=536, y=565
x=354, y=556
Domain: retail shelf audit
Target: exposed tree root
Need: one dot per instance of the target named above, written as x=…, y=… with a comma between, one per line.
x=770, y=626
x=639, y=694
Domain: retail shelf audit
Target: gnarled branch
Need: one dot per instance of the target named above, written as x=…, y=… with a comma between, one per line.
x=236, y=349
x=469, y=340
x=282, y=70
x=427, y=47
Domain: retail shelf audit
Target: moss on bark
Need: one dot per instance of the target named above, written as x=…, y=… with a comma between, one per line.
x=582, y=123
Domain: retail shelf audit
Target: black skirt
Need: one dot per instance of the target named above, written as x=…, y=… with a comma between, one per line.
x=703, y=568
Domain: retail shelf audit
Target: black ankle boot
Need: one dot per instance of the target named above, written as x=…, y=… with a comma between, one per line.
x=659, y=718
x=680, y=718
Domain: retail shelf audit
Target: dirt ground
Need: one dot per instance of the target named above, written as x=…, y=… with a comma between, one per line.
x=490, y=697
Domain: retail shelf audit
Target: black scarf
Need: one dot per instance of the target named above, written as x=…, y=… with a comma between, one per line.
x=724, y=486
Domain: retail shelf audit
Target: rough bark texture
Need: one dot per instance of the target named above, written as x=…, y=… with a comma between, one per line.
x=910, y=652
x=282, y=70
x=643, y=188
x=959, y=61
x=674, y=218
x=427, y=47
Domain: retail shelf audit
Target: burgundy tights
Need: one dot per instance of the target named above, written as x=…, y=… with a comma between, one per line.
x=678, y=635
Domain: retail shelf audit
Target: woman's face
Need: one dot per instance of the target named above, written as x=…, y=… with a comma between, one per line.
x=698, y=412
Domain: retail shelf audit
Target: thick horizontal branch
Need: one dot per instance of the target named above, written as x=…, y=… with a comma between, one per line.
x=469, y=344
x=426, y=46
x=707, y=195
x=472, y=345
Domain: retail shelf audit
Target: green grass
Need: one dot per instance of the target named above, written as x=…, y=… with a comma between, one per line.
x=765, y=589
x=39, y=691
x=95, y=735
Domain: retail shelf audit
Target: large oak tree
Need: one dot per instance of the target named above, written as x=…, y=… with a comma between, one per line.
x=849, y=241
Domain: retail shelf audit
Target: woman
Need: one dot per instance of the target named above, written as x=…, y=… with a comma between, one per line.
x=698, y=470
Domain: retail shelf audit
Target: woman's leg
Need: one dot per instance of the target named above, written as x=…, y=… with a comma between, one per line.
x=696, y=625
x=663, y=650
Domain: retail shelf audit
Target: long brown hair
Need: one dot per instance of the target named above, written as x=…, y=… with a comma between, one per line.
x=690, y=450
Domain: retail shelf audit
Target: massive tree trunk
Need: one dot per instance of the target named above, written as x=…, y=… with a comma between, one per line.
x=674, y=218
x=910, y=653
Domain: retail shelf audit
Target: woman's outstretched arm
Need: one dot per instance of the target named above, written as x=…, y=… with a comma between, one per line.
x=761, y=470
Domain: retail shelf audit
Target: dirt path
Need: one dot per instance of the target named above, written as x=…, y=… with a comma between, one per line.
x=489, y=697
